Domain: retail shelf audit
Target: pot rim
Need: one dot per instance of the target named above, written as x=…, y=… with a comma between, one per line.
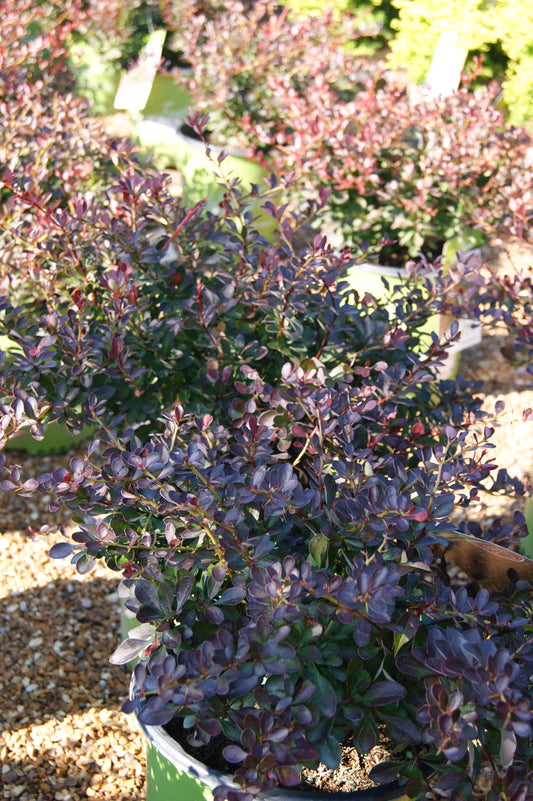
x=172, y=751
x=380, y=269
x=389, y=271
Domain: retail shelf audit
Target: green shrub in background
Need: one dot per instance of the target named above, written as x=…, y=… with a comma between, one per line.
x=420, y=23
x=377, y=14
x=517, y=42
x=501, y=31
x=518, y=91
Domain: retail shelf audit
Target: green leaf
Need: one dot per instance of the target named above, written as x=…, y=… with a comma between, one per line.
x=329, y=752
x=325, y=697
x=358, y=681
x=330, y=489
x=399, y=640
x=318, y=548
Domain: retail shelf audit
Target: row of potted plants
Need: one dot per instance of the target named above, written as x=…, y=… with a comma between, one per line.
x=274, y=467
x=291, y=92
x=436, y=174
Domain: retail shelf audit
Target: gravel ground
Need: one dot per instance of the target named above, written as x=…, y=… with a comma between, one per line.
x=513, y=438
x=63, y=736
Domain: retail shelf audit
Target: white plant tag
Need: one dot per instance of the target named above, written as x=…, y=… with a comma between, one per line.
x=448, y=61
x=135, y=86
x=470, y=332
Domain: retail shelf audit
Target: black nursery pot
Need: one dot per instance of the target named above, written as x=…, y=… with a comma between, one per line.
x=173, y=774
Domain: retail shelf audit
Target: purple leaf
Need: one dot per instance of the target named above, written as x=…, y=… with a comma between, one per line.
x=384, y=772
x=231, y=596
x=84, y=563
x=183, y=591
x=8, y=486
x=156, y=717
x=288, y=775
x=384, y=692
x=146, y=594
x=126, y=651
x=60, y=550
x=234, y=754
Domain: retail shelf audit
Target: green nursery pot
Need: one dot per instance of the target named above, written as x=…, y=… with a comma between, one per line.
x=170, y=147
x=166, y=100
x=529, y=515
x=526, y=544
x=97, y=76
x=158, y=131
x=369, y=277
x=199, y=179
x=174, y=775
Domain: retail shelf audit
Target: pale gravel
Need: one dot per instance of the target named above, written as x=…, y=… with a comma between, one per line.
x=63, y=737
x=513, y=436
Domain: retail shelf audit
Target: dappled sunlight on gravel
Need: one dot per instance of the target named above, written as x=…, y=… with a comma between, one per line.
x=63, y=737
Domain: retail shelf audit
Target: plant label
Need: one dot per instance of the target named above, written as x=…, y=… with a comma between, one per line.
x=135, y=86
x=470, y=332
x=448, y=61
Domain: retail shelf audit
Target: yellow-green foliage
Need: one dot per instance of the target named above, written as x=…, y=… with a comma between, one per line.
x=374, y=15
x=518, y=92
x=516, y=34
x=312, y=7
x=420, y=23
x=318, y=6
x=478, y=25
x=380, y=10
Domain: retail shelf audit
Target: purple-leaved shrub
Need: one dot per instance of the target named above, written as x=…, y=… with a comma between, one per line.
x=276, y=464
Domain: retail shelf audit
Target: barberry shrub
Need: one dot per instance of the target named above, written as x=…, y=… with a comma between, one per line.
x=275, y=471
